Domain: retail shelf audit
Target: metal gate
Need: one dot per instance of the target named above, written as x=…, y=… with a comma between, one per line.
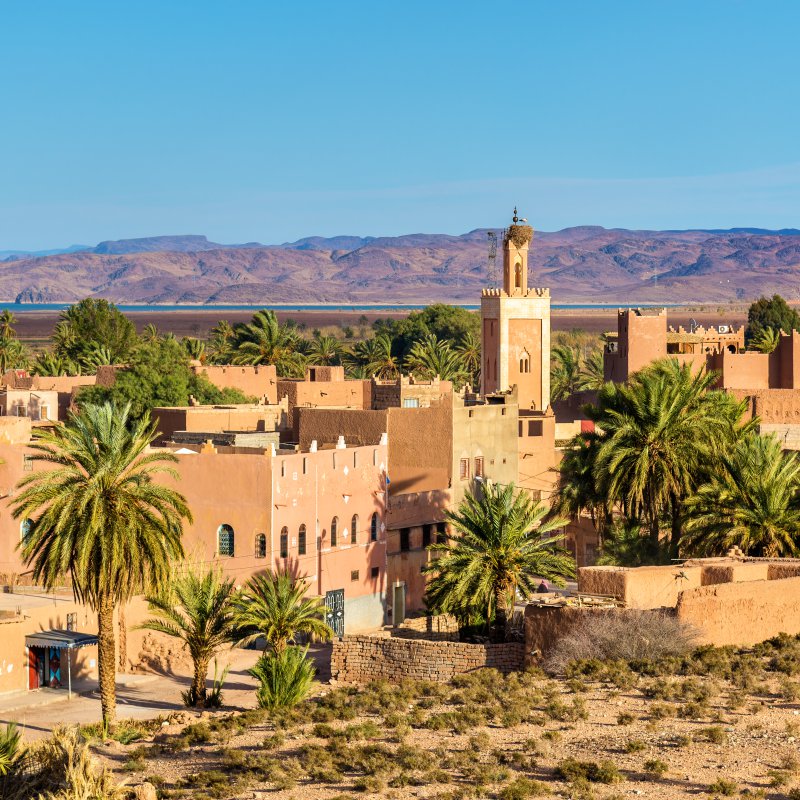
x=334, y=601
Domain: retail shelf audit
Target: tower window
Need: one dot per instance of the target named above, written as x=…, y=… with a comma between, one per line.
x=225, y=540
x=261, y=545
x=463, y=469
x=373, y=528
x=354, y=529
x=334, y=531
x=405, y=539
x=479, y=467
x=284, y=542
x=426, y=535
x=301, y=541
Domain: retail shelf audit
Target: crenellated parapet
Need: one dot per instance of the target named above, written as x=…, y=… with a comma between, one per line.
x=530, y=292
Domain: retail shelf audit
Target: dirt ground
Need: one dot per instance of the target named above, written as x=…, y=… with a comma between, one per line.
x=493, y=737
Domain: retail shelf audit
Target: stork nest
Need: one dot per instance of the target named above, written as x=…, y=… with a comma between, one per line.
x=519, y=235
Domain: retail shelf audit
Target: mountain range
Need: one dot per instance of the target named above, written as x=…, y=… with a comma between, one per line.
x=586, y=264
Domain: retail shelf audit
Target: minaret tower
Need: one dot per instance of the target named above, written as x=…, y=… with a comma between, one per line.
x=515, y=328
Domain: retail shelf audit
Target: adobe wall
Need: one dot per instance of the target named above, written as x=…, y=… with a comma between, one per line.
x=323, y=394
x=487, y=432
x=360, y=659
x=640, y=587
x=741, y=370
x=258, y=381
x=537, y=457
x=326, y=425
x=215, y=419
x=772, y=406
x=392, y=394
x=742, y=613
x=420, y=449
x=545, y=625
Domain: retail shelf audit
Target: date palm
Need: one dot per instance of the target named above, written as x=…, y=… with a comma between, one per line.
x=469, y=349
x=565, y=371
x=766, y=340
x=7, y=322
x=752, y=502
x=221, y=342
x=659, y=432
x=431, y=356
x=274, y=606
x=101, y=518
x=502, y=548
x=195, y=348
x=197, y=609
x=375, y=355
x=13, y=354
x=592, y=372
x=324, y=351
x=264, y=340
x=150, y=333
x=51, y=365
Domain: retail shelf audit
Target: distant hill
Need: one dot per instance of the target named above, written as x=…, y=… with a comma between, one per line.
x=581, y=264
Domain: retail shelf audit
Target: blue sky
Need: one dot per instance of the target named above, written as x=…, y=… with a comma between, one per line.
x=271, y=121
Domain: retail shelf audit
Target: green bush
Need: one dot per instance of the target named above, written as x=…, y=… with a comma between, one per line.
x=570, y=769
x=723, y=787
x=522, y=788
x=285, y=678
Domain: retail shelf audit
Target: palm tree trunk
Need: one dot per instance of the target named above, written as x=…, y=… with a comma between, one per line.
x=106, y=661
x=199, y=682
x=123, y=639
x=498, y=634
x=675, y=535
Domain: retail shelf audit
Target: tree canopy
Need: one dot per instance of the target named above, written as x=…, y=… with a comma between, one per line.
x=91, y=324
x=773, y=312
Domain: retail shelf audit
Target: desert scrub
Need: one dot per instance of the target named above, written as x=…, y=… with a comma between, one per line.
x=571, y=769
x=655, y=766
x=625, y=718
x=715, y=734
x=522, y=788
x=634, y=746
x=723, y=787
x=661, y=711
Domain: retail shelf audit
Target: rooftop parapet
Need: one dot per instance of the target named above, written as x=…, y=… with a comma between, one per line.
x=532, y=292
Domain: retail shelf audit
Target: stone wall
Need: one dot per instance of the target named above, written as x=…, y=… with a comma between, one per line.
x=441, y=628
x=360, y=659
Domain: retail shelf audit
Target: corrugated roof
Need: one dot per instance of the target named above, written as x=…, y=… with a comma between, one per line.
x=58, y=639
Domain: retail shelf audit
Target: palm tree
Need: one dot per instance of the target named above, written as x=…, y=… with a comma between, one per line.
x=469, y=349
x=13, y=354
x=752, y=502
x=274, y=606
x=502, y=549
x=592, y=372
x=376, y=356
x=96, y=355
x=431, y=356
x=766, y=340
x=221, y=339
x=197, y=609
x=265, y=341
x=7, y=322
x=660, y=431
x=565, y=371
x=195, y=349
x=324, y=351
x=100, y=517
x=150, y=333
x=51, y=365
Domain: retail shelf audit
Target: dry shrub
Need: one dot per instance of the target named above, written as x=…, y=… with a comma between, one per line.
x=629, y=635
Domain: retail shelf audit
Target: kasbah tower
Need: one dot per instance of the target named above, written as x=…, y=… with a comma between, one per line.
x=515, y=351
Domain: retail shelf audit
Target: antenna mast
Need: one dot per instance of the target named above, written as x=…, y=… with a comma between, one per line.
x=491, y=272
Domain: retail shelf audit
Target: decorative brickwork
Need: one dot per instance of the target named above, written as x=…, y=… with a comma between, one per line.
x=360, y=659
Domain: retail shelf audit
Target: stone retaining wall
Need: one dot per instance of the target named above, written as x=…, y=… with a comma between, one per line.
x=440, y=628
x=360, y=659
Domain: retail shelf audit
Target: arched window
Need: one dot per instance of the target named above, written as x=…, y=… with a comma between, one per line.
x=225, y=540
x=284, y=542
x=518, y=276
x=261, y=545
x=25, y=529
x=354, y=529
x=373, y=528
x=334, y=531
x=301, y=540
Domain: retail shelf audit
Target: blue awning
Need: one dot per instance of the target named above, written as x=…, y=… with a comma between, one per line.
x=69, y=640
